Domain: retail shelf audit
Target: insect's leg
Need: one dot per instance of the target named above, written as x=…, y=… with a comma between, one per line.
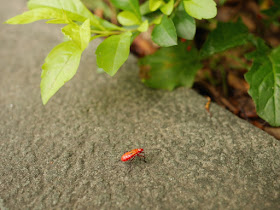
x=143, y=156
x=132, y=158
x=129, y=169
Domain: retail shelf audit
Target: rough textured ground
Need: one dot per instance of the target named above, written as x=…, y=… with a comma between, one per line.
x=67, y=154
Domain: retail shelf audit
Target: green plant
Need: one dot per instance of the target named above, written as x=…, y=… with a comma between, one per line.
x=171, y=66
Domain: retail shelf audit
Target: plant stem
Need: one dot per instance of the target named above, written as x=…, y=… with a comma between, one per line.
x=177, y=3
x=108, y=33
x=105, y=32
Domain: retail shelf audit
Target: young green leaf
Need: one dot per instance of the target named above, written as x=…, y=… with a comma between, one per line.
x=144, y=26
x=85, y=34
x=60, y=66
x=63, y=20
x=128, y=5
x=37, y=14
x=79, y=34
x=171, y=67
x=184, y=24
x=225, y=36
x=127, y=18
x=74, y=9
x=164, y=34
x=264, y=80
x=113, y=52
x=167, y=8
x=155, y=4
x=157, y=20
x=109, y=26
x=201, y=9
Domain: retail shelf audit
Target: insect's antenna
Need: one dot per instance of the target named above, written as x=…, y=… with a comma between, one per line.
x=152, y=149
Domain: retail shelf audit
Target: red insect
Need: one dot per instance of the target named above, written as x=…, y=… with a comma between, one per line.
x=132, y=154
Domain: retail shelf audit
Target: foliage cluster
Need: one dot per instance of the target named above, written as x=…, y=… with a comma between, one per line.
x=174, y=64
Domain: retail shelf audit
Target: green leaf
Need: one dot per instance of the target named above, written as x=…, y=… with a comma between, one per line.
x=63, y=20
x=157, y=20
x=155, y=4
x=199, y=9
x=113, y=52
x=128, y=5
x=164, y=34
x=225, y=36
x=37, y=14
x=127, y=18
x=167, y=8
x=261, y=49
x=60, y=12
x=74, y=9
x=260, y=55
x=171, y=67
x=264, y=80
x=79, y=34
x=144, y=26
x=60, y=66
x=85, y=34
x=184, y=24
x=109, y=26
x=145, y=8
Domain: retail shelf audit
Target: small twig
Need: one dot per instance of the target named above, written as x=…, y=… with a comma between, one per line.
x=207, y=105
x=108, y=33
x=218, y=98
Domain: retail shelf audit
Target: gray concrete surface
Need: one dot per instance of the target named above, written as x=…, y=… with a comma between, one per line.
x=67, y=154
